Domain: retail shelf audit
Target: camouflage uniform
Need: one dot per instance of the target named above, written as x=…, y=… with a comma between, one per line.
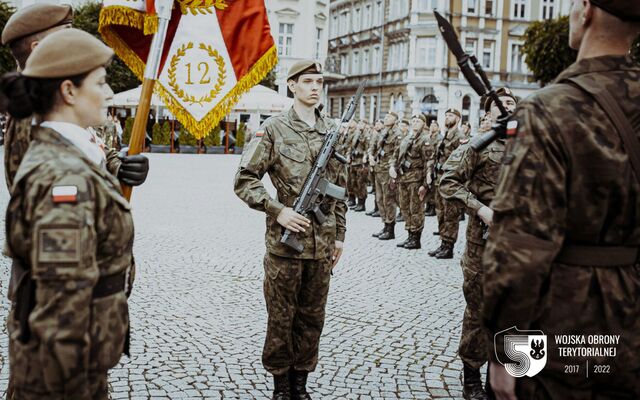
x=382, y=152
x=433, y=141
x=296, y=284
x=470, y=178
x=357, y=166
x=17, y=137
x=448, y=214
x=567, y=208
x=73, y=255
x=410, y=162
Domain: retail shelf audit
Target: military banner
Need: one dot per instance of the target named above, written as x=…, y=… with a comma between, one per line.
x=215, y=50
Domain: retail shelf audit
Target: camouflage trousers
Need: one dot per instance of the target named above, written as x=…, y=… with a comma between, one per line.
x=296, y=293
x=473, y=340
x=448, y=213
x=98, y=389
x=357, y=183
x=411, y=206
x=385, y=198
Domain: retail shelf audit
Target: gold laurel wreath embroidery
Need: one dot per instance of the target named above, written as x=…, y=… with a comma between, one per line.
x=173, y=66
x=196, y=7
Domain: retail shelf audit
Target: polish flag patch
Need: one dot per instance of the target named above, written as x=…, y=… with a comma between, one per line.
x=512, y=127
x=259, y=134
x=65, y=194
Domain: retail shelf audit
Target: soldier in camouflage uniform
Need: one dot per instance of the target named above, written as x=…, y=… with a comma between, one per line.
x=403, y=131
x=563, y=252
x=357, y=165
x=448, y=213
x=23, y=31
x=345, y=149
x=375, y=134
x=381, y=154
x=470, y=178
x=408, y=169
x=296, y=285
x=69, y=230
x=434, y=139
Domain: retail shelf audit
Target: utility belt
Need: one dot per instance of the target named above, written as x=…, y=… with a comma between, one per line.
x=25, y=293
x=598, y=256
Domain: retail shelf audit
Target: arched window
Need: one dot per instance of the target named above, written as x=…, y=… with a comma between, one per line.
x=429, y=106
x=400, y=103
x=392, y=103
x=466, y=106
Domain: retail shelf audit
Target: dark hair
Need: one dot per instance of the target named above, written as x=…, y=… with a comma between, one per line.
x=22, y=96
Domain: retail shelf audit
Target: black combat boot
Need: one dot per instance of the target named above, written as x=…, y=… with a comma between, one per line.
x=446, y=252
x=433, y=252
x=352, y=202
x=281, y=387
x=360, y=206
x=430, y=211
x=389, y=232
x=375, y=210
x=462, y=217
x=472, y=384
x=299, y=385
x=399, y=218
x=377, y=234
x=401, y=244
x=414, y=241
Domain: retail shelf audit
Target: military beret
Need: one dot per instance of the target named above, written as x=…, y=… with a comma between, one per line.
x=35, y=18
x=52, y=58
x=421, y=116
x=454, y=111
x=306, y=66
x=405, y=121
x=623, y=9
x=501, y=92
x=395, y=115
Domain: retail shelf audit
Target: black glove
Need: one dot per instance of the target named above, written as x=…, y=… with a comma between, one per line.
x=134, y=169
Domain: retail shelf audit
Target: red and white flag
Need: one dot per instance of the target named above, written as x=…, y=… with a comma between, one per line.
x=215, y=51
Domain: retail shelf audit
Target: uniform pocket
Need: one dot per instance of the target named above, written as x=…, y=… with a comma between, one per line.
x=291, y=152
x=271, y=269
x=109, y=325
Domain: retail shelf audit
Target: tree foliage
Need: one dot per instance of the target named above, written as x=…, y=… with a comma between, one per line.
x=547, y=48
x=270, y=80
x=7, y=62
x=119, y=76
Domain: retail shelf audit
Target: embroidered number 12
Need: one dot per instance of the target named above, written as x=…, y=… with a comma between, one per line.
x=205, y=79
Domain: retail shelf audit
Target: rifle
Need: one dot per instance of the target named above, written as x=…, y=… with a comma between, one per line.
x=478, y=80
x=316, y=186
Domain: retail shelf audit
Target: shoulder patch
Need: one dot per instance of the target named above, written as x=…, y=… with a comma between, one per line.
x=64, y=194
x=512, y=127
x=259, y=133
x=59, y=245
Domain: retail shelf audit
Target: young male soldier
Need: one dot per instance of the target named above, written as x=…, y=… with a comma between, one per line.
x=563, y=253
x=375, y=135
x=403, y=131
x=470, y=178
x=381, y=154
x=448, y=214
x=345, y=150
x=408, y=168
x=357, y=167
x=22, y=33
x=434, y=138
x=295, y=284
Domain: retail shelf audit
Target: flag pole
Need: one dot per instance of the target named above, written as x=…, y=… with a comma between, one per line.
x=138, y=133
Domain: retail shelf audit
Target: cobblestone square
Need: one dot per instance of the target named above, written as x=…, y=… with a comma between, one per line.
x=198, y=314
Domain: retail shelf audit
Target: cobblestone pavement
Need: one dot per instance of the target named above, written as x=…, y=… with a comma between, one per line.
x=198, y=315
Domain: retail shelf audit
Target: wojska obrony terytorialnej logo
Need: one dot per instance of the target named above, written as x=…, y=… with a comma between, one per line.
x=525, y=351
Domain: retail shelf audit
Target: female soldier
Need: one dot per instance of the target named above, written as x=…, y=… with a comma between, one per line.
x=69, y=230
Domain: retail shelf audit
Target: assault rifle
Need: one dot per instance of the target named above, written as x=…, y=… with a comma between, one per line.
x=316, y=186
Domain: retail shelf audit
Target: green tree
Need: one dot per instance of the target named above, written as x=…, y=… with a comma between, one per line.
x=213, y=138
x=7, y=62
x=546, y=47
x=270, y=80
x=240, y=134
x=128, y=127
x=186, y=138
x=119, y=76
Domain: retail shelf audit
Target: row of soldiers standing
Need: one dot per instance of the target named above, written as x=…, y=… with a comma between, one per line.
x=402, y=160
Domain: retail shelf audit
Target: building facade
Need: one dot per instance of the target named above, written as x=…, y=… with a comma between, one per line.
x=397, y=47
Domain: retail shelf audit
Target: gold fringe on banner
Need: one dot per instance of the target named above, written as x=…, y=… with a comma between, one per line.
x=117, y=15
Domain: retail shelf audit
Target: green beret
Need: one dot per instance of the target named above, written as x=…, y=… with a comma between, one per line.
x=52, y=59
x=421, y=116
x=306, y=66
x=395, y=115
x=454, y=111
x=35, y=18
x=501, y=92
x=623, y=9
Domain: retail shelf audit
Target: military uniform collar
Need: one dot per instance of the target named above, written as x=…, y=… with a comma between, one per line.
x=598, y=64
x=300, y=126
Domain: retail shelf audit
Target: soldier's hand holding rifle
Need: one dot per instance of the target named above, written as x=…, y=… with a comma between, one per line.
x=292, y=220
x=486, y=215
x=422, y=191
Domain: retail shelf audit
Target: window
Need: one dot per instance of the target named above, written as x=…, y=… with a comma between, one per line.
x=318, y=42
x=427, y=5
x=340, y=110
x=344, y=23
x=355, y=68
x=391, y=57
x=472, y=6
x=335, y=30
x=399, y=104
x=373, y=107
x=365, y=62
x=392, y=103
x=426, y=52
x=487, y=54
x=517, y=59
x=356, y=20
x=466, y=105
x=366, y=17
x=363, y=108
x=344, y=64
x=404, y=55
x=378, y=13
x=470, y=46
x=285, y=39
x=376, y=61
x=429, y=105
x=547, y=9
x=519, y=9
x=488, y=8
